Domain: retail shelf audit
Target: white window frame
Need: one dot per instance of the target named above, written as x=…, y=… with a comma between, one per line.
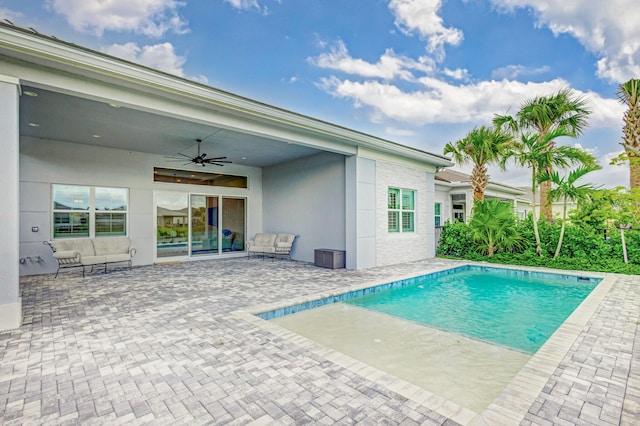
x=398, y=210
x=90, y=210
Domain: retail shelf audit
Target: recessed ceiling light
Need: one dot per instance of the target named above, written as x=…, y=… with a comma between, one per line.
x=112, y=105
x=30, y=93
x=244, y=158
x=96, y=136
x=34, y=125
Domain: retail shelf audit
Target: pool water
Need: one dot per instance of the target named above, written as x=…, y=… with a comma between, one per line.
x=461, y=333
x=517, y=311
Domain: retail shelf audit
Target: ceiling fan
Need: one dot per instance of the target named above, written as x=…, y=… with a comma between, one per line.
x=201, y=159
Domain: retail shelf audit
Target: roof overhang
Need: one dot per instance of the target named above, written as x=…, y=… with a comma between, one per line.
x=59, y=67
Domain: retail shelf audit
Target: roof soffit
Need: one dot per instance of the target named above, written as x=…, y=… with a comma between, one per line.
x=56, y=54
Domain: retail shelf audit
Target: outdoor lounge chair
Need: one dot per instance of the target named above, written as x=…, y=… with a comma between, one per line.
x=271, y=245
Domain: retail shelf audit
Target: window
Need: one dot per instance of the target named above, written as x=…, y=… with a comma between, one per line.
x=437, y=214
x=199, y=178
x=401, y=210
x=111, y=211
x=71, y=211
x=88, y=211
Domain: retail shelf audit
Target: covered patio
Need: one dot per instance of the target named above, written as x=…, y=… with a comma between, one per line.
x=176, y=344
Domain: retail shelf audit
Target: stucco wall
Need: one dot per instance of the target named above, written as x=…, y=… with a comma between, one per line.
x=10, y=301
x=393, y=247
x=307, y=197
x=47, y=162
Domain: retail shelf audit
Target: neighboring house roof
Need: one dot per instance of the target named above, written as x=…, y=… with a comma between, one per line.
x=46, y=51
x=451, y=176
x=459, y=179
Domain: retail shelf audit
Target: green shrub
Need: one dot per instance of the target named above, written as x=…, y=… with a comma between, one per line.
x=456, y=240
x=584, y=248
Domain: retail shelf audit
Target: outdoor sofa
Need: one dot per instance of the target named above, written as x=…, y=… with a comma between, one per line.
x=272, y=245
x=83, y=252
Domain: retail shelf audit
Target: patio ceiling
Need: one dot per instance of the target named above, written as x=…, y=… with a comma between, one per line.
x=163, y=114
x=45, y=114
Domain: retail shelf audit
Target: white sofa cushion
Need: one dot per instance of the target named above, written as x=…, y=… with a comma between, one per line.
x=112, y=245
x=284, y=242
x=264, y=240
x=84, y=246
x=263, y=243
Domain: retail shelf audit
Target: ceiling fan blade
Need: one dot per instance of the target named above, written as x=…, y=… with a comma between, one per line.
x=214, y=160
x=217, y=158
x=218, y=164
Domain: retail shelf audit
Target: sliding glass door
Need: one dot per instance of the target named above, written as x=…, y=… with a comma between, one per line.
x=198, y=225
x=172, y=224
x=233, y=217
x=204, y=225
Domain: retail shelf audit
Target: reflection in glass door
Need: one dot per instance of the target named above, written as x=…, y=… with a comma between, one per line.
x=233, y=217
x=204, y=225
x=172, y=224
x=198, y=225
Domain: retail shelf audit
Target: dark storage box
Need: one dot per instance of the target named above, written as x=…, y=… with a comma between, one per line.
x=328, y=258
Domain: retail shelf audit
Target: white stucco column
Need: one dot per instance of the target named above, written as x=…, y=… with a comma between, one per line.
x=430, y=232
x=10, y=303
x=360, y=208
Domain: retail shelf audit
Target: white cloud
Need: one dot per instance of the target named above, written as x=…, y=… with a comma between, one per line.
x=388, y=67
x=244, y=4
x=511, y=72
x=440, y=102
x=148, y=17
x=252, y=5
x=159, y=56
x=9, y=14
x=421, y=16
x=607, y=177
x=199, y=78
x=610, y=30
x=610, y=176
x=457, y=74
x=392, y=131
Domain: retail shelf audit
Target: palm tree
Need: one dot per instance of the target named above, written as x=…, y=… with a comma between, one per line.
x=493, y=226
x=561, y=113
x=533, y=153
x=482, y=146
x=566, y=190
x=629, y=94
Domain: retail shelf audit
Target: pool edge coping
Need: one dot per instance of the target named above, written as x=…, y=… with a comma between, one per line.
x=513, y=402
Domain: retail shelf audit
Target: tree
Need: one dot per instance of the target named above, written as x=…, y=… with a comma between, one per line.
x=629, y=94
x=561, y=114
x=566, y=190
x=599, y=211
x=533, y=152
x=493, y=226
x=482, y=146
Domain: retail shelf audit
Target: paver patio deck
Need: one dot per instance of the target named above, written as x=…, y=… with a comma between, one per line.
x=173, y=344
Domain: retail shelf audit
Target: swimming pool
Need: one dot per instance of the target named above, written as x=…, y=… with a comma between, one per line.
x=513, y=308
x=465, y=370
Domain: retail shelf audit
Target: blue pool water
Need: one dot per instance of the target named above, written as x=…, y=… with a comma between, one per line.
x=520, y=311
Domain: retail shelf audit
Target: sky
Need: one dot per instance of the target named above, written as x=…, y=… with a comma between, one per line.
x=417, y=72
